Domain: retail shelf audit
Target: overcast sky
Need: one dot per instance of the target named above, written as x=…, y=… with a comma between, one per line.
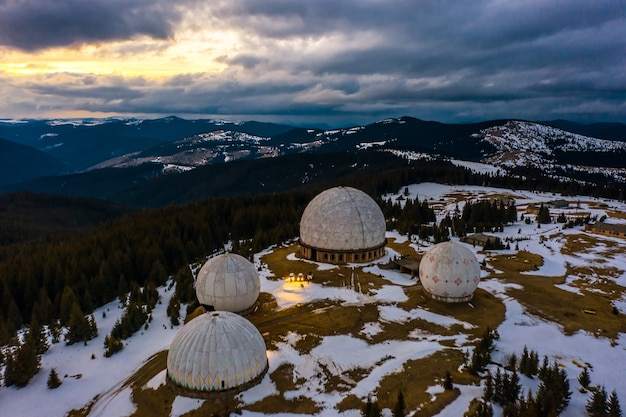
x=314, y=61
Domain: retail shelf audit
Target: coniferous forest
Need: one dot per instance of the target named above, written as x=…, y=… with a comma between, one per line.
x=65, y=275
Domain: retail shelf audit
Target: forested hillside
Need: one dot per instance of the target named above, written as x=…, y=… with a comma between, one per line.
x=25, y=216
x=147, y=247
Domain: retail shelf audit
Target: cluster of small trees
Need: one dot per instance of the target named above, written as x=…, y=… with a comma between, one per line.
x=599, y=406
x=139, y=305
x=482, y=352
x=22, y=362
x=407, y=218
x=551, y=397
x=485, y=215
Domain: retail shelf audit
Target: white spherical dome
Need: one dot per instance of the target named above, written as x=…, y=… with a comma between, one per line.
x=228, y=282
x=217, y=351
x=449, y=272
x=342, y=219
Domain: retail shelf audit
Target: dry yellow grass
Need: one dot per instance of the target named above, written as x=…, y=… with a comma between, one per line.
x=541, y=297
x=417, y=375
x=404, y=249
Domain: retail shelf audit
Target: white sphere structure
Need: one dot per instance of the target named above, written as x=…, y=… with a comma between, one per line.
x=228, y=282
x=216, y=351
x=340, y=225
x=449, y=272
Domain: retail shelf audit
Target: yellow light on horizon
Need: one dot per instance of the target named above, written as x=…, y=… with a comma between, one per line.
x=194, y=53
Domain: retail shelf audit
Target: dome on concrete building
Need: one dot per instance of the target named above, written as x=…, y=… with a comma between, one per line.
x=228, y=282
x=449, y=272
x=342, y=224
x=216, y=351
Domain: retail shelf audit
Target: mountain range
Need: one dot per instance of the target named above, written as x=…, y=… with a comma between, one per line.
x=135, y=161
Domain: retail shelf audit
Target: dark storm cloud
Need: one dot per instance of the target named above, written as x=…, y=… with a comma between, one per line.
x=534, y=57
x=37, y=24
x=440, y=59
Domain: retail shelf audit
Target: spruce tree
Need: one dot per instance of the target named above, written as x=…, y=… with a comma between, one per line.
x=53, y=379
x=376, y=411
x=39, y=336
x=81, y=328
x=173, y=310
x=524, y=361
x=584, y=379
x=68, y=301
x=597, y=405
x=544, y=215
x=447, y=382
x=112, y=345
x=488, y=392
x=22, y=364
x=398, y=409
x=614, y=409
x=366, y=411
x=55, y=330
x=512, y=364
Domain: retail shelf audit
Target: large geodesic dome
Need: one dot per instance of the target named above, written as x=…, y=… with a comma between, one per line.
x=228, y=282
x=449, y=272
x=342, y=224
x=216, y=351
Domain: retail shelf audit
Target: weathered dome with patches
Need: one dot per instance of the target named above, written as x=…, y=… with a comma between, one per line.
x=228, y=282
x=449, y=272
x=343, y=219
x=216, y=351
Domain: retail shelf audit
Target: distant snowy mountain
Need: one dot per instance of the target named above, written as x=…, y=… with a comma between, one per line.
x=124, y=151
x=83, y=143
x=526, y=144
x=197, y=150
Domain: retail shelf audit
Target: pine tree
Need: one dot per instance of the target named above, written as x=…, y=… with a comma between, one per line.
x=53, y=379
x=376, y=411
x=524, y=361
x=498, y=386
x=398, y=409
x=68, y=301
x=533, y=363
x=81, y=328
x=366, y=411
x=512, y=364
x=543, y=216
x=55, y=330
x=597, y=405
x=112, y=345
x=488, y=392
x=22, y=364
x=447, y=382
x=584, y=379
x=614, y=409
x=39, y=336
x=173, y=310
x=543, y=370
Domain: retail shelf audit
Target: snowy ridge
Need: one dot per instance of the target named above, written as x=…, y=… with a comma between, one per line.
x=223, y=136
x=537, y=138
x=526, y=144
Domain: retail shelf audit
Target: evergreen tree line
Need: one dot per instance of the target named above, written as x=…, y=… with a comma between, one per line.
x=98, y=265
x=480, y=216
x=407, y=218
x=58, y=278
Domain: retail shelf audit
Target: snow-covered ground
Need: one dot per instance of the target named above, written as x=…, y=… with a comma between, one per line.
x=339, y=353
